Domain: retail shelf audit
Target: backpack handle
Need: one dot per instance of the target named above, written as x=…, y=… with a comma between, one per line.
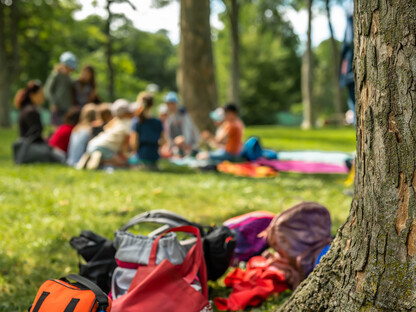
x=101, y=297
x=194, y=260
x=161, y=216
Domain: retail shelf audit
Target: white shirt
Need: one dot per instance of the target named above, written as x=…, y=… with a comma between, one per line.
x=113, y=136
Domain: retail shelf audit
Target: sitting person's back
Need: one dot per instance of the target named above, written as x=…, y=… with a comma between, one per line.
x=81, y=134
x=181, y=133
x=27, y=101
x=146, y=134
x=31, y=147
x=234, y=142
x=104, y=117
x=113, y=136
x=108, y=146
x=60, y=138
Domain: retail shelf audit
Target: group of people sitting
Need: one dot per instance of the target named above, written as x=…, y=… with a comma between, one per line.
x=90, y=135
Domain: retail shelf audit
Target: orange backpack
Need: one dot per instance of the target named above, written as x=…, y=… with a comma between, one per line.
x=63, y=296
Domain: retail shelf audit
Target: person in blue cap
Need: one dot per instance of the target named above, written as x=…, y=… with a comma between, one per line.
x=58, y=87
x=181, y=133
x=217, y=140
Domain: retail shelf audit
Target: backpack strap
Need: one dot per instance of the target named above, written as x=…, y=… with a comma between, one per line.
x=194, y=261
x=101, y=297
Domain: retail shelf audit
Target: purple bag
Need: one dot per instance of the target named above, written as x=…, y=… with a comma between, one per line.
x=247, y=228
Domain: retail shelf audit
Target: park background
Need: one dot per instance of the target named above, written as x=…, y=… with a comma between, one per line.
x=272, y=40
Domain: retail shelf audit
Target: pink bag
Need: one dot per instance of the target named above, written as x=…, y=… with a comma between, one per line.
x=166, y=287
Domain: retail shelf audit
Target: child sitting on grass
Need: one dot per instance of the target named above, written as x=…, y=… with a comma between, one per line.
x=146, y=135
x=104, y=117
x=109, y=147
x=230, y=137
x=81, y=134
x=60, y=139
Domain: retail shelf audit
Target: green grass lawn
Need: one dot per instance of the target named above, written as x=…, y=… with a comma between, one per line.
x=43, y=206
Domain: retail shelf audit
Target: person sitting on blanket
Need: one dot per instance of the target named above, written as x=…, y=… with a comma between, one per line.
x=217, y=141
x=146, y=135
x=231, y=135
x=104, y=117
x=28, y=100
x=81, y=134
x=109, y=147
x=60, y=138
x=180, y=132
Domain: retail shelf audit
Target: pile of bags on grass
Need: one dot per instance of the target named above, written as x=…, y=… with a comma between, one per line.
x=169, y=268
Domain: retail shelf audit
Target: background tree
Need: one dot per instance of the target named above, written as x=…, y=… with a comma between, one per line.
x=196, y=77
x=307, y=75
x=270, y=64
x=323, y=90
x=233, y=12
x=9, y=56
x=335, y=59
x=371, y=264
x=109, y=44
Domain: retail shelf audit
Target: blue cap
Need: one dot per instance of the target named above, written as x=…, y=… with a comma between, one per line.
x=171, y=97
x=69, y=59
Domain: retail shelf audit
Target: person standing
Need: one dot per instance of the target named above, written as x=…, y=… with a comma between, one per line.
x=347, y=58
x=58, y=87
x=85, y=87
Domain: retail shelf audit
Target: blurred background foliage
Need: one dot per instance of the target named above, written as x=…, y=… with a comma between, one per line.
x=270, y=56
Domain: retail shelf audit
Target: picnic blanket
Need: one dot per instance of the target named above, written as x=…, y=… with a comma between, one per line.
x=247, y=169
x=303, y=166
x=190, y=162
x=337, y=158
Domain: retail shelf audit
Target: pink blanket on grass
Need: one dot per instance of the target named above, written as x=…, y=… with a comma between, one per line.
x=303, y=166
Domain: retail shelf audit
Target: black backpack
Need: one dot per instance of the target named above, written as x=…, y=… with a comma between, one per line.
x=219, y=247
x=98, y=252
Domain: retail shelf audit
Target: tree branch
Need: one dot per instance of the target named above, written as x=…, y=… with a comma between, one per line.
x=124, y=1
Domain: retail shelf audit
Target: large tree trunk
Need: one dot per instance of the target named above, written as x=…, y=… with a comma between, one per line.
x=197, y=77
x=371, y=265
x=234, y=91
x=9, y=59
x=335, y=58
x=109, y=56
x=307, y=72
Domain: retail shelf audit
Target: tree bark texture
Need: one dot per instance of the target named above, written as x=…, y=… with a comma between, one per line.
x=109, y=48
x=9, y=57
x=307, y=73
x=197, y=76
x=234, y=15
x=371, y=265
x=335, y=58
